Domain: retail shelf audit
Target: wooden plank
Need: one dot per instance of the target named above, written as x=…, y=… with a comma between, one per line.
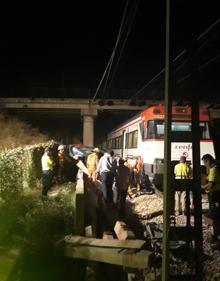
x=128, y=258
x=106, y=243
x=122, y=231
x=82, y=167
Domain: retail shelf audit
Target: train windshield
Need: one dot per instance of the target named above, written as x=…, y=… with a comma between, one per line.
x=155, y=129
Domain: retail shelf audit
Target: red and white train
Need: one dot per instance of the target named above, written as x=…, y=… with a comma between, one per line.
x=143, y=135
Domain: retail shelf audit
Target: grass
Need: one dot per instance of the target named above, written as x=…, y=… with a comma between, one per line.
x=30, y=228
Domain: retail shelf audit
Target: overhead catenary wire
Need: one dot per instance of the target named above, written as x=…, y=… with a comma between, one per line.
x=100, y=83
x=134, y=96
x=115, y=48
x=113, y=53
x=124, y=43
x=199, y=50
x=201, y=67
x=125, y=30
x=148, y=83
x=208, y=29
x=209, y=61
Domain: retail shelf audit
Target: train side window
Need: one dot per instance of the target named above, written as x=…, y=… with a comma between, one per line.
x=113, y=143
x=129, y=140
x=135, y=139
x=160, y=130
x=151, y=130
x=132, y=139
x=126, y=140
x=110, y=143
x=119, y=142
x=141, y=126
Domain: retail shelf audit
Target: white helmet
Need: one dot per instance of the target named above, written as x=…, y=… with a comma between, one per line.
x=61, y=147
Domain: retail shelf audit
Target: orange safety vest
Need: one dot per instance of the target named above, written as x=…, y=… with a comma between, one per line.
x=92, y=161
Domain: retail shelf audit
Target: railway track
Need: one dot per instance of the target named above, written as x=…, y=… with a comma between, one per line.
x=207, y=220
x=149, y=209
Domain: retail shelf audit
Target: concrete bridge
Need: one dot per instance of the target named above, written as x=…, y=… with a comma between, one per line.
x=87, y=109
x=84, y=107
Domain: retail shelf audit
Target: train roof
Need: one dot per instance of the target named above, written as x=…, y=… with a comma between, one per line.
x=141, y=114
x=127, y=121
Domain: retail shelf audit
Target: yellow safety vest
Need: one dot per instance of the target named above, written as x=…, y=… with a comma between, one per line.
x=181, y=171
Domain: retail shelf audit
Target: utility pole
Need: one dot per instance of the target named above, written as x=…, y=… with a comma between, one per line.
x=167, y=151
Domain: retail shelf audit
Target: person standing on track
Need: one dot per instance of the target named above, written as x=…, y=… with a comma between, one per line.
x=92, y=163
x=123, y=180
x=138, y=169
x=181, y=171
x=212, y=187
x=106, y=172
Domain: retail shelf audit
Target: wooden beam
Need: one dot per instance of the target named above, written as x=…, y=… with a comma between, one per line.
x=124, y=257
x=106, y=243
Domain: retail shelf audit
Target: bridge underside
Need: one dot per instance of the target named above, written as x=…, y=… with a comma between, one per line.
x=66, y=116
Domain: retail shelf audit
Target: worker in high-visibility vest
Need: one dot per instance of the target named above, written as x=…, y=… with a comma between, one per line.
x=47, y=170
x=138, y=169
x=212, y=187
x=181, y=171
x=61, y=161
x=127, y=164
x=92, y=163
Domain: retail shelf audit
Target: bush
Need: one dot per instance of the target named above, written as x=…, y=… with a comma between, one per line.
x=20, y=168
x=36, y=224
x=10, y=173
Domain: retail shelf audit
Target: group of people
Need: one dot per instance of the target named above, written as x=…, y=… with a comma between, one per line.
x=110, y=171
x=52, y=169
x=106, y=169
x=210, y=184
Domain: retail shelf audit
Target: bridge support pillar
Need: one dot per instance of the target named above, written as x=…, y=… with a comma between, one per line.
x=88, y=125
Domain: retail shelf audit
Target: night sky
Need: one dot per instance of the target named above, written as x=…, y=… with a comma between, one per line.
x=61, y=51
x=44, y=48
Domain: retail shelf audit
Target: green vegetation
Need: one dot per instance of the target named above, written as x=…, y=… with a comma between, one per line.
x=20, y=168
x=10, y=173
x=30, y=227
